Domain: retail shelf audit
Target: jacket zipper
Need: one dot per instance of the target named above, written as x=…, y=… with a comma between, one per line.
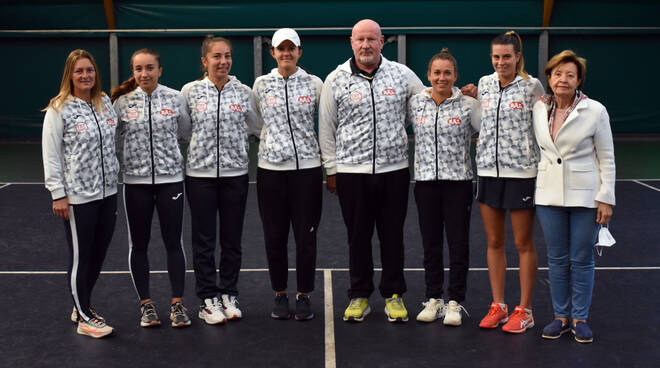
x=373, y=106
x=217, y=133
x=497, y=133
x=151, y=145
x=98, y=126
x=436, y=143
x=288, y=119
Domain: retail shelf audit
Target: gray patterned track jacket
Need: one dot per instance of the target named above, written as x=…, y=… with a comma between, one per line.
x=362, y=122
x=443, y=134
x=287, y=106
x=147, y=135
x=78, y=146
x=221, y=121
x=507, y=146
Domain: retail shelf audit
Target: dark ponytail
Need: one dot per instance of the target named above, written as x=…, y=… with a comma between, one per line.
x=130, y=84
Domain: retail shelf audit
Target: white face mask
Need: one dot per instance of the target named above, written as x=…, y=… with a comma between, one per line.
x=605, y=239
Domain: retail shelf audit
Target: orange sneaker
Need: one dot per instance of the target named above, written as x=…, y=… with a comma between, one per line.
x=495, y=316
x=519, y=321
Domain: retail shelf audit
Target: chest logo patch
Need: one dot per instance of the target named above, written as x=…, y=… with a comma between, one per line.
x=420, y=120
x=271, y=101
x=304, y=99
x=201, y=106
x=235, y=108
x=454, y=121
x=388, y=92
x=132, y=114
x=516, y=105
x=110, y=122
x=166, y=112
x=81, y=127
x=355, y=97
x=484, y=104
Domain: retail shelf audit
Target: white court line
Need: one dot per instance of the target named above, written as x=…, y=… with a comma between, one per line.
x=4, y=186
x=330, y=359
x=646, y=185
x=479, y=269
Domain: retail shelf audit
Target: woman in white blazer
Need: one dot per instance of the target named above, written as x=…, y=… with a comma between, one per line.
x=574, y=189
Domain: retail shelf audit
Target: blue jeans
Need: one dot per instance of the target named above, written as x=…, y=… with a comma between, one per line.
x=570, y=234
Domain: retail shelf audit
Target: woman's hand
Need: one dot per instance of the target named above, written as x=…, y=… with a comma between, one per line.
x=469, y=90
x=331, y=183
x=61, y=208
x=604, y=213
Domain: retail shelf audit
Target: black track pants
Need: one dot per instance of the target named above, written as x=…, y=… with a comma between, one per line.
x=380, y=199
x=89, y=232
x=290, y=197
x=210, y=198
x=139, y=201
x=445, y=204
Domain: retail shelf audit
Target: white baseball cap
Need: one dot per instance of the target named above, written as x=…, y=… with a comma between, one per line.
x=284, y=34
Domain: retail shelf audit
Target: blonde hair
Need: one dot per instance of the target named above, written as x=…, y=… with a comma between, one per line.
x=66, y=86
x=512, y=38
x=130, y=84
x=568, y=56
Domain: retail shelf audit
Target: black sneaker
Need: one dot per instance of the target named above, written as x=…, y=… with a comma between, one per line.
x=303, y=308
x=281, y=307
x=149, y=315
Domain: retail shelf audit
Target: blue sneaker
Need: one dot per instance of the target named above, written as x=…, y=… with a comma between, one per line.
x=582, y=333
x=555, y=329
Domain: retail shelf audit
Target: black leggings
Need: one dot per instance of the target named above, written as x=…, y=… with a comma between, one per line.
x=139, y=201
x=89, y=232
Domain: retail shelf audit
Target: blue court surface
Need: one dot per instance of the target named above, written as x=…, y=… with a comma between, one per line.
x=36, y=330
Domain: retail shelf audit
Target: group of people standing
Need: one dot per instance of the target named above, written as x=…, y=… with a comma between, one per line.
x=364, y=107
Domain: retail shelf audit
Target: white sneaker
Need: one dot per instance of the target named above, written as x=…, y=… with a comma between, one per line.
x=229, y=304
x=433, y=309
x=453, y=315
x=211, y=312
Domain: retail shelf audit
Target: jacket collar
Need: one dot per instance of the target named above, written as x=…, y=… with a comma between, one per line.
x=455, y=94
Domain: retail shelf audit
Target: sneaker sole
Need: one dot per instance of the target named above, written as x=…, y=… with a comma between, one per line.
x=211, y=322
x=554, y=337
x=233, y=318
x=358, y=319
x=452, y=323
x=500, y=322
x=520, y=330
x=181, y=324
x=582, y=341
x=397, y=319
x=150, y=324
x=96, y=335
x=305, y=318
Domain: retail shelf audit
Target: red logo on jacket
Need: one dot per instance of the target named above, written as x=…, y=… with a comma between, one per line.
x=81, y=127
x=388, y=92
x=304, y=99
x=110, y=122
x=454, y=121
x=516, y=105
x=235, y=108
x=201, y=106
x=166, y=112
x=271, y=101
x=355, y=97
x=133, y=114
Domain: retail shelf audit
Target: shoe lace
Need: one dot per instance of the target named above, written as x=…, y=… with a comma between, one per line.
x=458, y=308
x=519, y=313
x=355, y=303
x=96, y=322
x=96, y=315
x=493, y=309
x=149, y=309
x=178, y=309
x=397, y=303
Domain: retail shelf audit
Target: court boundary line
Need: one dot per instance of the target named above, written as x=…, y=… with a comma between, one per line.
x=646, y=185
x=330, y=357
x=4, y=186
x=475, y=269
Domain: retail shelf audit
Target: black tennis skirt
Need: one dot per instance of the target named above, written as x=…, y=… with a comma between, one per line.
x=506, y=193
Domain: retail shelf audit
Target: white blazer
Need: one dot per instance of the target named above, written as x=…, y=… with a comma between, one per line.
x=577, y=168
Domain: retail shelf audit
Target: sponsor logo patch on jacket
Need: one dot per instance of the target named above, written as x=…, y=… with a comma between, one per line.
x=388, y=92
x=454, y=121
x=110, y=122
x=420, y=120
x=271, y=101
x=355, y=97
x=201, y=106
x=484, y=104
x=132, y=114
x=304, y=99
x=81, y=127
x=516, y=105
x=166, y=112
x=235, y=107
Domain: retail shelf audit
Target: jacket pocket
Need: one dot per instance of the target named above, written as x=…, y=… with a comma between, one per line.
x=542, y=174
x=583, y=177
